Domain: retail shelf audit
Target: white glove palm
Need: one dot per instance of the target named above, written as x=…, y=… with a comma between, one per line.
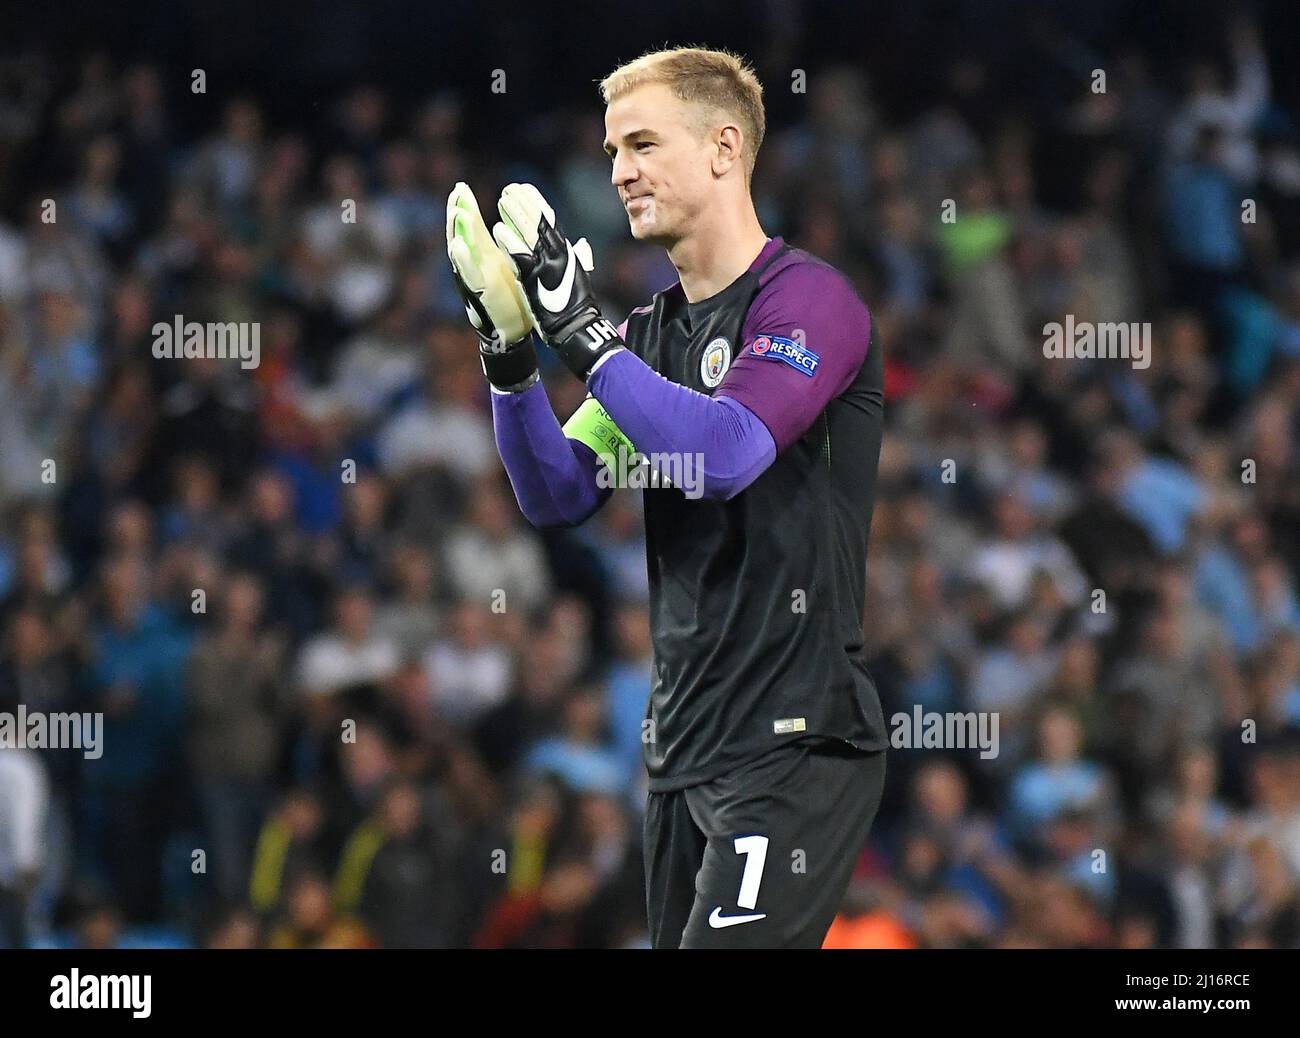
x=494, y=301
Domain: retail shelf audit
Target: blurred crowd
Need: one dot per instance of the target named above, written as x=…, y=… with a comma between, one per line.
x=351, y=699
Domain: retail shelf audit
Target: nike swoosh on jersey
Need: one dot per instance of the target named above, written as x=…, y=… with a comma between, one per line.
x=556, y=299
x=717, y=920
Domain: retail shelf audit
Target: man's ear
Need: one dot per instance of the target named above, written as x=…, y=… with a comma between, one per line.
x=730, y=143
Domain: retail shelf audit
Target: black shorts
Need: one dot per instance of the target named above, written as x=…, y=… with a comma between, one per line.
x=761, y=856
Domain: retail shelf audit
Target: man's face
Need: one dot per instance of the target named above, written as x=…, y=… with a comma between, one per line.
x=660, y=166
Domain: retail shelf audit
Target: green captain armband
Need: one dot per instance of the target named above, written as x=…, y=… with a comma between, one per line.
x=592, y=425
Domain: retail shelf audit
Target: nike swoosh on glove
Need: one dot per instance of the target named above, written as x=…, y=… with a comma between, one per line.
x=554, y=274
x=494, y=300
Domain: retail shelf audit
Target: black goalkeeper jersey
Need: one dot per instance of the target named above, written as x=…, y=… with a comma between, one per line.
x=756, y=603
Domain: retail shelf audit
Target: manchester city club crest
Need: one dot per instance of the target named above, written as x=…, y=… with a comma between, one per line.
x=716, y=360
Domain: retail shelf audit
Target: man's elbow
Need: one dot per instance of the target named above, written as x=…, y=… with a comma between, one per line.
x=723, y=487
x=549, y=520
x=746, y=455
x=551, y=525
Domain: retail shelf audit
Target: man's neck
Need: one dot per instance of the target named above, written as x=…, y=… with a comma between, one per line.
x=716, y=255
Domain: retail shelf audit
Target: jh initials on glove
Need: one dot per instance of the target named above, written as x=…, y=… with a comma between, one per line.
x=554, y=274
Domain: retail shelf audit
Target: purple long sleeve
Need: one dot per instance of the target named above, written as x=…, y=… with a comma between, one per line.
x=554, y=478
x=662, y=417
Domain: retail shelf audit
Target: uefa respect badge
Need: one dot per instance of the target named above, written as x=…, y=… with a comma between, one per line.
x=777, y=347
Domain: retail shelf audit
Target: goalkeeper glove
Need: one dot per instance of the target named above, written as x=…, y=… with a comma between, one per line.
x=493, y=299
x=553, y=272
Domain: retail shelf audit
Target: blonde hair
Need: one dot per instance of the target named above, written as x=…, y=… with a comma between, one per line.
x=714, y=80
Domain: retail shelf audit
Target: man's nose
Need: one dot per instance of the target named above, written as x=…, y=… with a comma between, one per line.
x=624, y=172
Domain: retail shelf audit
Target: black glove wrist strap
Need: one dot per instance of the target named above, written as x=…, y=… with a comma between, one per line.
x=511, y=368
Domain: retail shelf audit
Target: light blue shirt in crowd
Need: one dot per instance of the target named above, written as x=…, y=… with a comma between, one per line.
x=1162, y=496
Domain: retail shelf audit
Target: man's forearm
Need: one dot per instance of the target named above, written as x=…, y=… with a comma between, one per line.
x=554, y=477
x=722, y=437
x=661, y=417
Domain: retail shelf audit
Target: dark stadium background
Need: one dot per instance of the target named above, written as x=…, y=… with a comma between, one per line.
x=511, y=737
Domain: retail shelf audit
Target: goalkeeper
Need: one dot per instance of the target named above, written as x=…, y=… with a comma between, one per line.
x=764, y=739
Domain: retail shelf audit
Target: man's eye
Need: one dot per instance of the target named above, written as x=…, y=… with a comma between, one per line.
x=644, y=144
